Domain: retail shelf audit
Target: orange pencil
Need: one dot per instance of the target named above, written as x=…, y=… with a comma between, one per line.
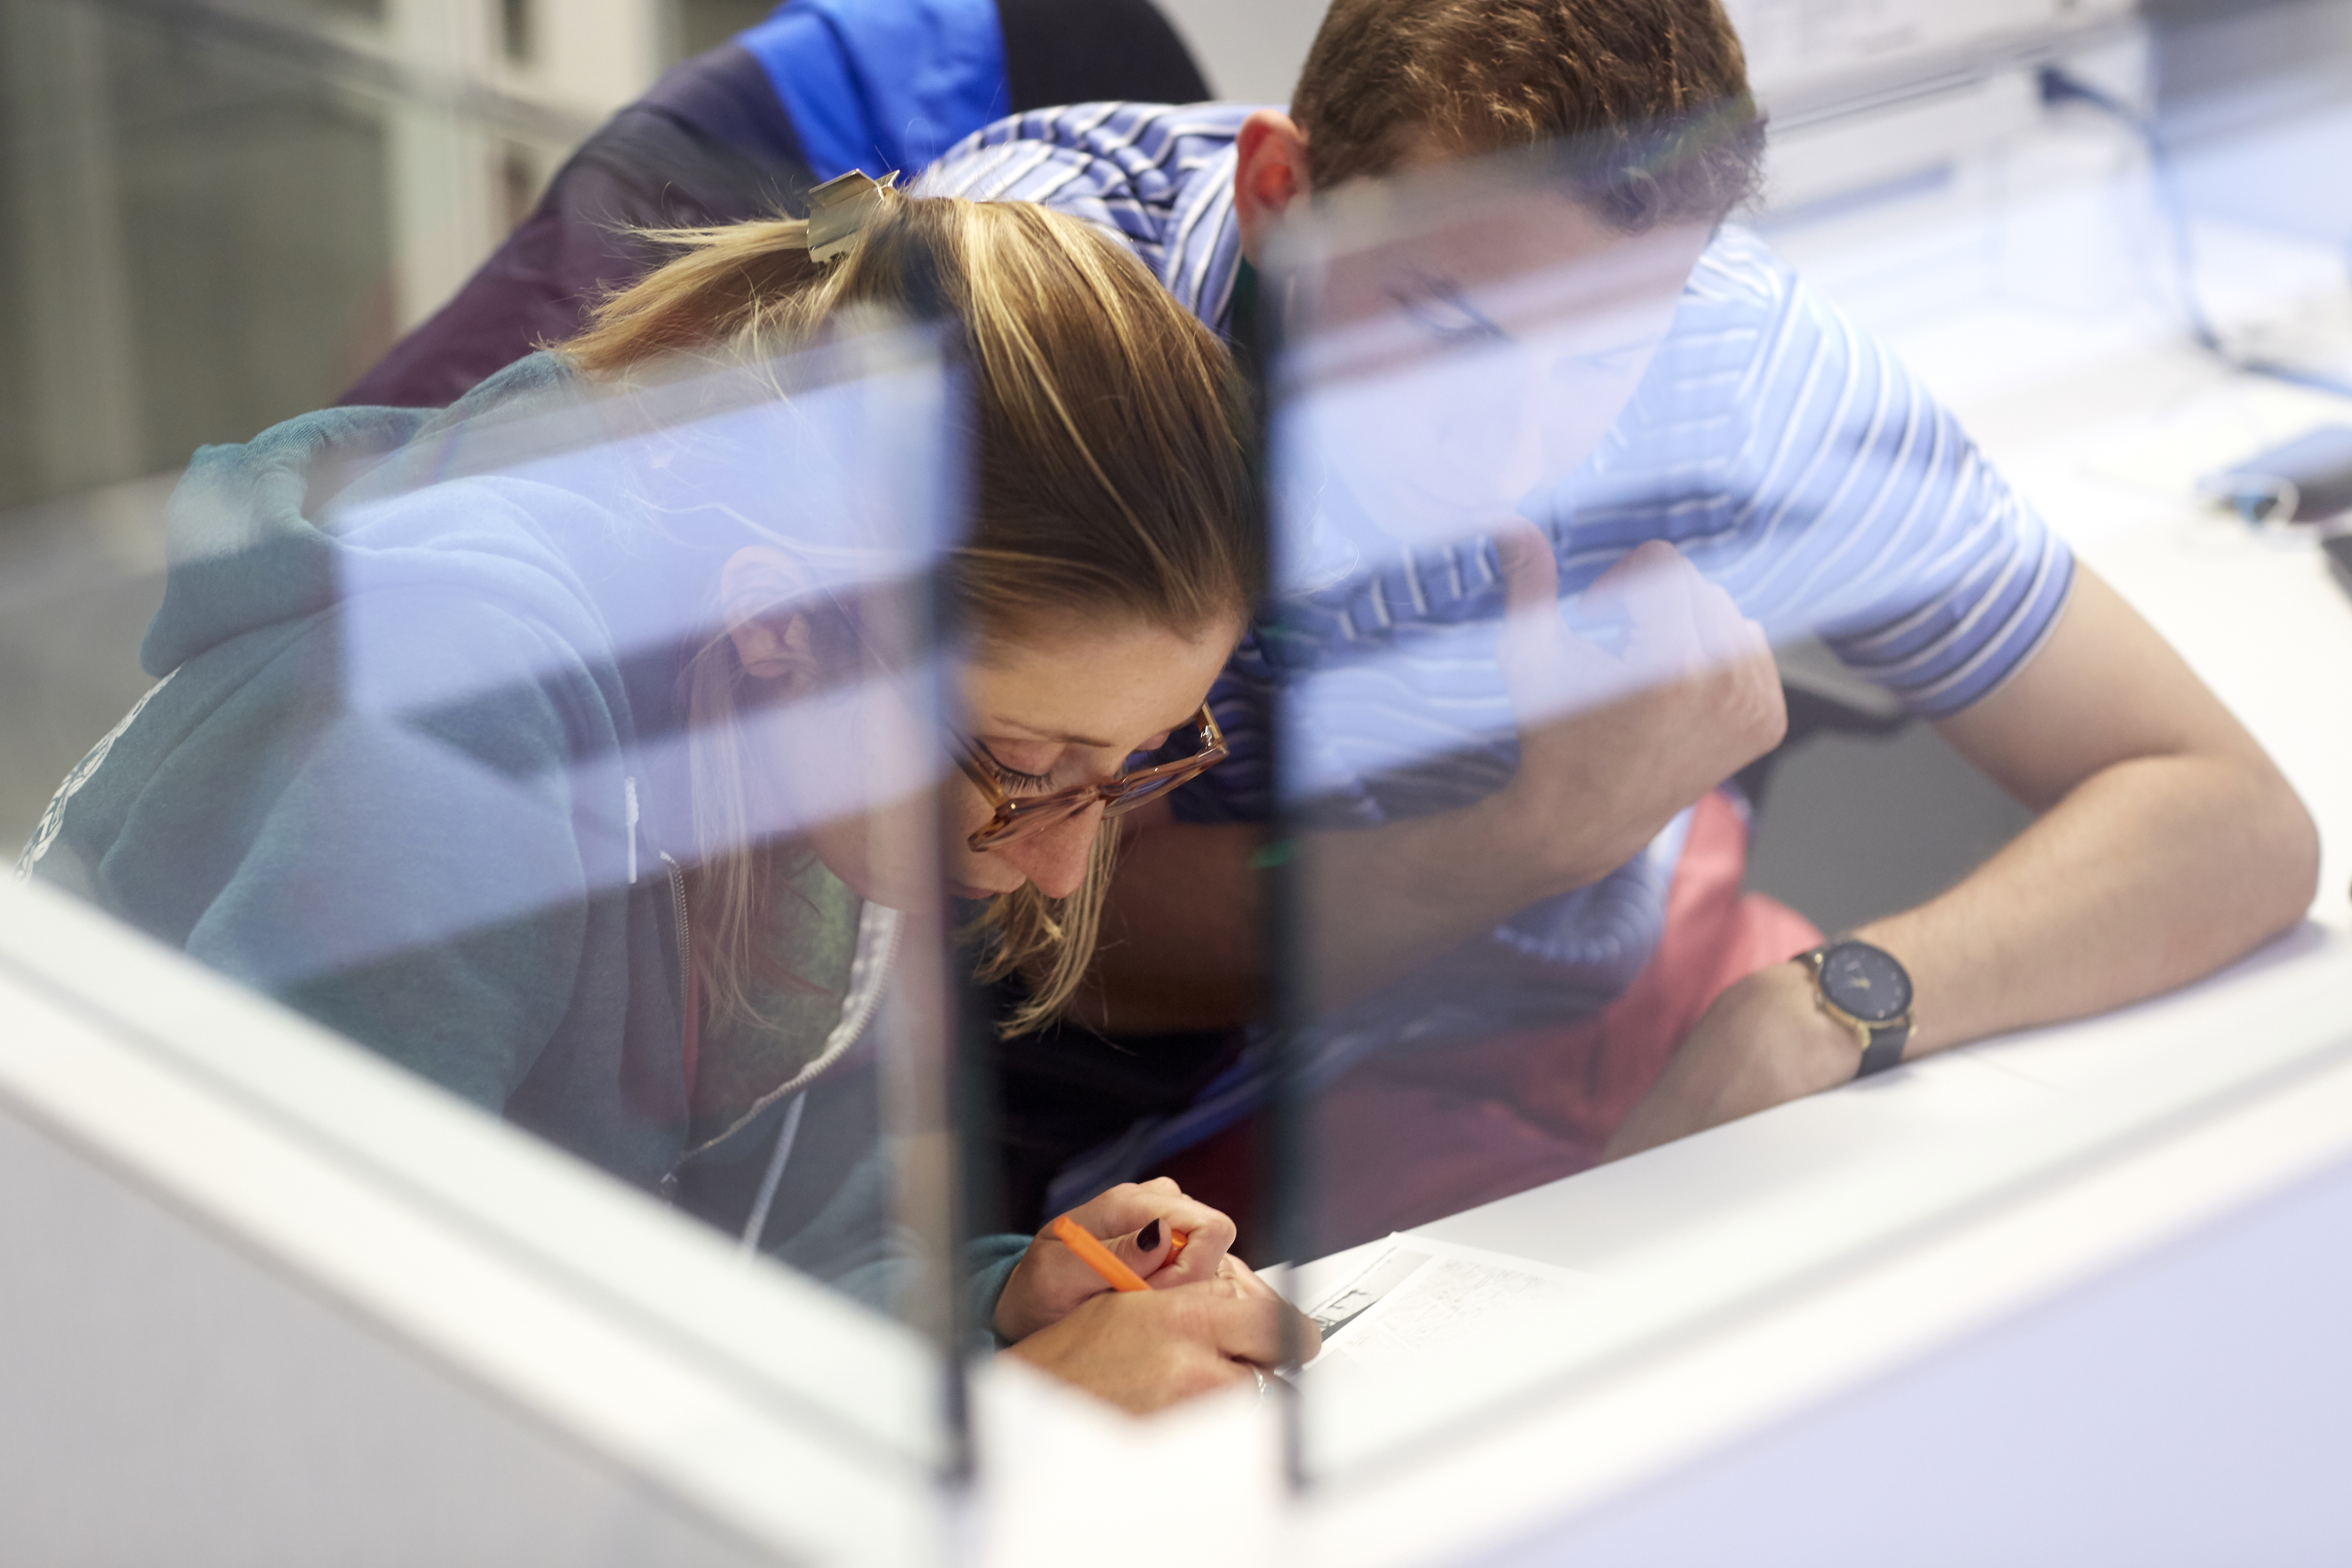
x=1097, y=1257
x=1177, y=1239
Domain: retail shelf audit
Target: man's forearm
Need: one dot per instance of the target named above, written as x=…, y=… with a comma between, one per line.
x=2147, y=875
x=1181, y=947
x=1380, y=901
x=2166, y=844
x=1178, y=949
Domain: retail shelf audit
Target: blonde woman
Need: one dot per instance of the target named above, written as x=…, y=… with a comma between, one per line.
x=415, y=764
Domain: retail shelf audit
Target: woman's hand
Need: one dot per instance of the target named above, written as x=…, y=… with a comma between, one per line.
x=1136, y=1222
x=1143, y=1350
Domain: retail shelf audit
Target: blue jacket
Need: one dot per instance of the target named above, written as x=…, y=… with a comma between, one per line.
x=744, y=131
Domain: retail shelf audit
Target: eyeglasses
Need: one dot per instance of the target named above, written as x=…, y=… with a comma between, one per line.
x=1018, y=818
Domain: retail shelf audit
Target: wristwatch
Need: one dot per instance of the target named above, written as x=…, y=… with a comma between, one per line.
x=1863, y=987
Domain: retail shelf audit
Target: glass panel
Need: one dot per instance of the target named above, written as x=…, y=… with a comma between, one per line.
x=406, y=594
x=1545, y=463
x=1608, y=539
x=1506, y=517
x=205, y=225
x=460, y=755
x=455, y=731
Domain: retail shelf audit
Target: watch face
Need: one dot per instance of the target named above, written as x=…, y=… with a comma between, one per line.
x=1866, y=982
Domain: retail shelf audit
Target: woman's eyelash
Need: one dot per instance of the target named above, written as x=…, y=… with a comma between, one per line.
x=1013, y=778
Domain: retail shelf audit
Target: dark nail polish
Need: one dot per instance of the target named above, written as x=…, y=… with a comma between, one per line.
x=1148, y=1237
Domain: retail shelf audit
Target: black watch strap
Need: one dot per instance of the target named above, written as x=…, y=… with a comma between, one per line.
x=1885, y=1047
x=1882, y=1043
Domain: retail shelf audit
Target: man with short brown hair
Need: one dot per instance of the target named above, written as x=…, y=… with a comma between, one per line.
x=1386, y=85
x=1517, y=967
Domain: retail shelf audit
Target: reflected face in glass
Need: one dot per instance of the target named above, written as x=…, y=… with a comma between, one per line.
x=1063, y=705
x=1450, y=372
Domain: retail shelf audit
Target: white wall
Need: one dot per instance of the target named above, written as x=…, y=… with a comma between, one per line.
x=1249, y=49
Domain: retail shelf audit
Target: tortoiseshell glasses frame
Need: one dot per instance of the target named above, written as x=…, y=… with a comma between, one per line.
x=1016, y=818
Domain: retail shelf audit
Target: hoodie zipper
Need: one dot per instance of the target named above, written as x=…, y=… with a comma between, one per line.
x=878, y=933
x=690, y=1023
x=878, y=949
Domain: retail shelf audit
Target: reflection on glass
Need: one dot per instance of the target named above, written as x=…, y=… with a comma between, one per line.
x=202, y=238
x=455, y=749
x=587, y=748
x=648, y=746
x=1556, y=459
x=1571, y=471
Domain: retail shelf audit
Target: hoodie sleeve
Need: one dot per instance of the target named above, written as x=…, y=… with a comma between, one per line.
x=989, y=1262
x=409, y=869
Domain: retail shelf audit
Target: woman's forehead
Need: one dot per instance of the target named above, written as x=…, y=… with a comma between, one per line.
x=1092, y=683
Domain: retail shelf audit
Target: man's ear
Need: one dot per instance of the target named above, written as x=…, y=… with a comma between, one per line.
x=1269, y=174
x=756, y=589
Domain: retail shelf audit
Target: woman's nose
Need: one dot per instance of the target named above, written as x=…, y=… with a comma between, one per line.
x=1056, y=859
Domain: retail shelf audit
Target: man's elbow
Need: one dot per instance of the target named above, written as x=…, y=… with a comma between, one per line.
x=2285, y=845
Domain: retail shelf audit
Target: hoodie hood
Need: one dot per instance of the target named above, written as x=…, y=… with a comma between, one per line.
x=256, y=502
x=251, y=531
x=417, y=768
x=521, y=502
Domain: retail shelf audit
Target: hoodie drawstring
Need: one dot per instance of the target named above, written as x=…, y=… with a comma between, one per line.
x=775, y=1176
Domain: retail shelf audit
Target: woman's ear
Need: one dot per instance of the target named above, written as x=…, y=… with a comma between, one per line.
x=756, y=589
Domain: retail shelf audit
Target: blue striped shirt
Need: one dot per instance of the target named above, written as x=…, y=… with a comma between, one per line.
x=1787, y=454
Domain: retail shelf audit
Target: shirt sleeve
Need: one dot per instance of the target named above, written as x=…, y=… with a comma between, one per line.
x=1156, y=177
x=989, y=1262
x=1862, y=514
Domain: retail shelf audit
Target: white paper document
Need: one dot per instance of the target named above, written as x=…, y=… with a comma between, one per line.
x=1419, y=1299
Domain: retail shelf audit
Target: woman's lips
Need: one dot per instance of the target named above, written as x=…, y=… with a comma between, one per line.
x=972, y=895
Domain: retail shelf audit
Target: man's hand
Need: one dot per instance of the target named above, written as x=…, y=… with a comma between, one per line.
x=1146, y=1349
x=1765, y=1040
x=1138, y=1223
x=1612, y=745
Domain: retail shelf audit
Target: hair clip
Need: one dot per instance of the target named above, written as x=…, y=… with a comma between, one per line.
x=839, y=209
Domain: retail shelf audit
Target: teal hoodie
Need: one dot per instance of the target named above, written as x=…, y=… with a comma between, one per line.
x=413, y=768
